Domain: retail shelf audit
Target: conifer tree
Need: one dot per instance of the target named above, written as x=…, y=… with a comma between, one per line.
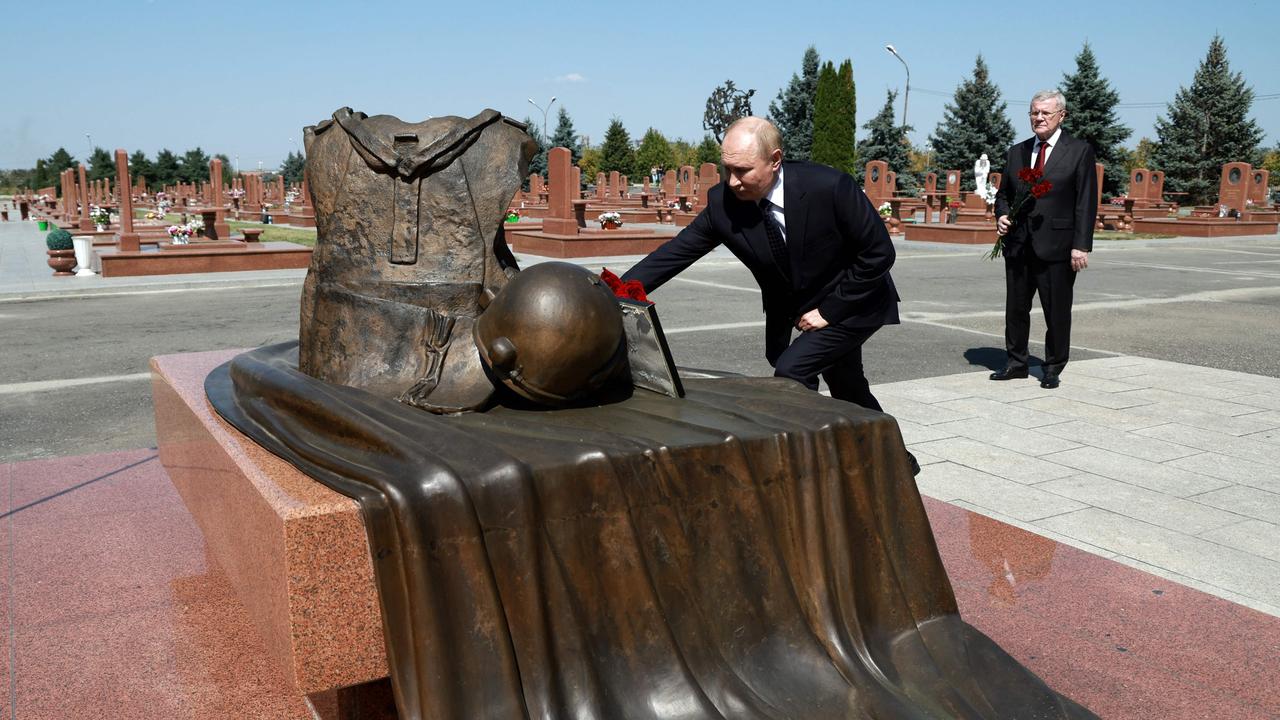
x=616, y=152
x=792, y=111
x=1091, y=116
x=140, y=167
x=166, y=169
x=101, y=165
x=292, y=168
x=654, y=151
x=1207, y=126
x=539, y=162
x=194, y=166
x=566, y=137
x=60, y=160
x=888, y=141
x=972, y=124
x=708, y=151
x=834, y=121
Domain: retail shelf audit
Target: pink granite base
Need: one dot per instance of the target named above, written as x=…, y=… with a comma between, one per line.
x=294, y=551
x=589, y=242
x=963, y=233
x=1205, y=227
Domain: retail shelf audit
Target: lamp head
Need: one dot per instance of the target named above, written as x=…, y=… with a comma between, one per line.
x=891, y=49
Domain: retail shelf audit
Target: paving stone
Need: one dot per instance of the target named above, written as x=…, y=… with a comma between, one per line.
x=1010, y=437
x=1196, y=558
x=1032, y=527
x=1150, y=396
x=1135, y=471
x=925, y=458
x=921, y=391
x=1189, y=415
x=1075, y=410
x=1258, y=537
x=1246, y=448
x=1232, y=469
x=922, y=413
x=1265, y=401
x=1186, y=383
x=913, y=433
x=1141, y=504
x=1097, y=382
x=1114, y=400
x=1125, y=443
x=1242, y=500
x=1019, y=468
x=950, y=482
x=1018, y=416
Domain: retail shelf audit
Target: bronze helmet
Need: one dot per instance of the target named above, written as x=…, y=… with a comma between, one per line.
x=553, y=334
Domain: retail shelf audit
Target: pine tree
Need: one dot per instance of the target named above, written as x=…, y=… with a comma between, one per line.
x=292, y=168
x=888, y=141
x=654, y=151
x=973, y=124
x=194, y=166
x=101, y=165
x=566, y=137
x=60, y=160
x=708, y=151
x=834, y=123
x=140, y=167
x=616, y=152
x=1091, y=116
x=539, y=162
x=166, y=170
x=1207, y=126
x=792, y=111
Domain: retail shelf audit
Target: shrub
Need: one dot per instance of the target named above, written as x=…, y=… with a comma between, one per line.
x=58, y=239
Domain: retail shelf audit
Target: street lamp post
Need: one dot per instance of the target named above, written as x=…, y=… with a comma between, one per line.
x=906, y=93
x=544, y=115
x=88, y=137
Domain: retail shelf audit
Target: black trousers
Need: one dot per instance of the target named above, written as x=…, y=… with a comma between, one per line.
x=835, y=353
x=1024, y=276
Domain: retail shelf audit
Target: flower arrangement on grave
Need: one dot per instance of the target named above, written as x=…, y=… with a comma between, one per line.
x=180, y=234
x=631, y=289
x=99, y=215
x=1036, y=187
x=196, y=224
x=610, y=219
x=513, y=215
x=1118, y=200
x=885, y=210
x=954, y=203
x=988, y=193
x=267, y=206
x=235, y=193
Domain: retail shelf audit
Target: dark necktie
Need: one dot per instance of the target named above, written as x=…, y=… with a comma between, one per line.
x=1044, y=149
x=777, y=246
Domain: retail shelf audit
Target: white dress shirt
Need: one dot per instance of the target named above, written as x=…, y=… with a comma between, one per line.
x=1052, y=142
x=774, y=196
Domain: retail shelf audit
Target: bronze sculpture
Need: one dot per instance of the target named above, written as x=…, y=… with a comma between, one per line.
x=753, y=550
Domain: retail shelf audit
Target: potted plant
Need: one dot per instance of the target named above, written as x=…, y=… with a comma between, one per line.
x=610, y=220
x=513, y=216
x=62, y=254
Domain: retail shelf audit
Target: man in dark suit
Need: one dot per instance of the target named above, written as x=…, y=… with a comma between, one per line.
x=1049, y=240
x=814, y=243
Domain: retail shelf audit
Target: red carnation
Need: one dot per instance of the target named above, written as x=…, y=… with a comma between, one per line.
x=1041, y=189
x=613, y=281
x=1030, y=176
x=634, y=290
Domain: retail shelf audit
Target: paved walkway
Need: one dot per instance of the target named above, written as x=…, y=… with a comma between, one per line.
x=1167, y=467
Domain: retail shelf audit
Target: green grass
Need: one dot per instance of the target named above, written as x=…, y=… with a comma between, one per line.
x=1117, y=235
x=270, y=233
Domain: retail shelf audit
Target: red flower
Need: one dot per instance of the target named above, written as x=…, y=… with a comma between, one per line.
x=1030, y=175
x=1039, y=190
x=631, y=289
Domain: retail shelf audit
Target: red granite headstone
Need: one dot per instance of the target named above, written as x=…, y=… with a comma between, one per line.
x=622, y=186
x=218, y=230
x=669, y=183
x=1097, y=168
x=1155, y=187
x=127, y=240
x=560, y=219
x=891, y=182
x=708, y=176
x=931, y=183
x=1233, y=187
x=686, y=180
x=1258, y=180
x=873, y=181
x=953, y=184
x=1139, y=184
x=85, y=222
x=600, y=186
x=613, y=188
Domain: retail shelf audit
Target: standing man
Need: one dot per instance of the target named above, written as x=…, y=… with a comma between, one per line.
x=817, y=248
x=1050, y=239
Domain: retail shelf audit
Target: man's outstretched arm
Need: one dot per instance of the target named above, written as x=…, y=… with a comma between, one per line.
x=678, y=253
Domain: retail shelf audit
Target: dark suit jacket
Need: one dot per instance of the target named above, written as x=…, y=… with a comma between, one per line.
x=840, y=252
x=1062, y=221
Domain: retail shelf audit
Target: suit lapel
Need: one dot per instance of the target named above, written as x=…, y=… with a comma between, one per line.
x=796, y=212
x=1063, y=147
x=1026, y=151
x=748, y=222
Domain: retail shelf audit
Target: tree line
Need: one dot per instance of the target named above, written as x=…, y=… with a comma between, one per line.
x=1205, y=126
x=167, y=168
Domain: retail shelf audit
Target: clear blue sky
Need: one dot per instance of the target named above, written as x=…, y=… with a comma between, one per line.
x=243, y=78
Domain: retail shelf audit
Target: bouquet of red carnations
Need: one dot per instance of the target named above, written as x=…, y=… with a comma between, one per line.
x=1035, y=187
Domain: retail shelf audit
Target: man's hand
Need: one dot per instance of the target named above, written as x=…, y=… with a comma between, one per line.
x=811, y=320
x=1003, y=225
x=1079, y=260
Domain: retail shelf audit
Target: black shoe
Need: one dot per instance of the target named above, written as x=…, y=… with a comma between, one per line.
x=915, y=464
x=1050, y=381
x=1009, y=373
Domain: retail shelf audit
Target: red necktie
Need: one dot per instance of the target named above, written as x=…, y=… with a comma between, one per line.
x=1044, y=149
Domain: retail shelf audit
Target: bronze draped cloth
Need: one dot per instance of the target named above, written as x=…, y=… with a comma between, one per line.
x=755, y=550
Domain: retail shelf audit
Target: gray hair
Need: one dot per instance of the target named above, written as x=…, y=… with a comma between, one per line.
x=766, y=135
x=1055, y=95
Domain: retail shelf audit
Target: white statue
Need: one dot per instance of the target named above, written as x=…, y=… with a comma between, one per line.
x=981, y=168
